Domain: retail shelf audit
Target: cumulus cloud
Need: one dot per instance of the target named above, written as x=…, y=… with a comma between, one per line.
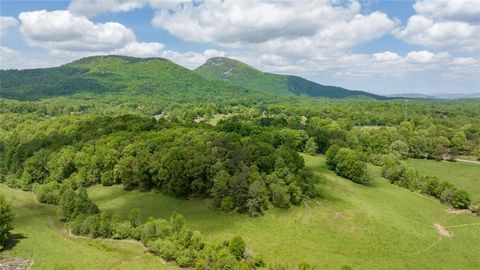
x=444, y=24
x=274, y=25
x=94, y=7
x=191, y=59
x=6, y=23
x=12, y=59
x=443, y=34
x=62, y=31
x=71, y=36
x=449, y=9
x=141, y=49
x=386, y=56
x=464, y=61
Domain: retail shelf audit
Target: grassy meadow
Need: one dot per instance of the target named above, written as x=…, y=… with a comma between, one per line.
x=43, y=239
x=464, y=175
x=381, y=226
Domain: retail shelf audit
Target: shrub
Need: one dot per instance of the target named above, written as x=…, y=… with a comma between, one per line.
x=185, y=258
x=227, y=203
x=122, y=230
x=237, y=246
x=73, y=203
x=305, y=266
x=163, y=248
x=280, y=196
x=330, y=155
x=460, y=200
x=47, y=193
x=347, y=163
x=6, y=218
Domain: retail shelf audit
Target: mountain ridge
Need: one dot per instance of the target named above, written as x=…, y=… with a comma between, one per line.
x=241, y=74
x=109, y=74
x=160, y=77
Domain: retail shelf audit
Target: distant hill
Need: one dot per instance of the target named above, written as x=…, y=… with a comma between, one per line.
x=110, y=74
x=412, y=95
x=439, y=96
x=241, y=74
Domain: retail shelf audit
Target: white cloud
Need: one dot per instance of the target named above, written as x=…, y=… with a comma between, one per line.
x=12, y=59
x=67, y=37
x=454, y=35
x=70, y=36
x=191, y=59
x=386, y=56
x=6, y=23
x=464, y=61
x=283, y=26
x=94, y=7
x=427, y=57
x=443, y=24
x=213, y=53
x=141, y=49
x=449, y=9
x=420, y=56
x=62, y=31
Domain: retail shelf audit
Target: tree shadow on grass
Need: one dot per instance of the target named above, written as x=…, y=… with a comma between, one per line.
x=15, y=238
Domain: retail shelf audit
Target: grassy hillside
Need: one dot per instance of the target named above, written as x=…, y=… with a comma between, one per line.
x=240, y=74
x=43, y=239
x=380, y=226
x=464, y=175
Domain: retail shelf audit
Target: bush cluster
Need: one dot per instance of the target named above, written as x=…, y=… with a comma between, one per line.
x=407, y=177
x=347, y=163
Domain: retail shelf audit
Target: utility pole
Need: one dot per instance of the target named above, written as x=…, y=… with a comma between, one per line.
x=405, y=109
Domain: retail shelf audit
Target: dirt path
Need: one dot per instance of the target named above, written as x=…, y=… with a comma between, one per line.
x=429, y=247
x=442, y=231
x=460, y=211
x=463, y=225
x=468, y=161
x=15, y=264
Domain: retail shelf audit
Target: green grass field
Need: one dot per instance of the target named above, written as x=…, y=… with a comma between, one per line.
x=381, y=226
x=45, y=241
x=464, y=175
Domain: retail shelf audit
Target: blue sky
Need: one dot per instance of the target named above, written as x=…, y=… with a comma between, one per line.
x=385, y=47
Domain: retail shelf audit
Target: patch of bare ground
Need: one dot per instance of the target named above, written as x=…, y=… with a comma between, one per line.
x=15, y=264
x=460, y=211
x=338, y=215
x=442, y=230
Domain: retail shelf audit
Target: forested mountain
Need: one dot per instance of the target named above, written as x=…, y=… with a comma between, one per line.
x=241, y=74
x=110, y=74
x=219, y=78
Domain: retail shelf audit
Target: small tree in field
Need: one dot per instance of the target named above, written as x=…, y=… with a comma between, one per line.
x=311, y=146
x=460, y=200
x=6, y=218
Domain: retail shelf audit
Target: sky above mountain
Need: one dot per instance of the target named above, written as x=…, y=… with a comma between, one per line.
x=385, y=47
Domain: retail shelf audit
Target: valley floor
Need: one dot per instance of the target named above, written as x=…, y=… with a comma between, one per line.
x=381, y=226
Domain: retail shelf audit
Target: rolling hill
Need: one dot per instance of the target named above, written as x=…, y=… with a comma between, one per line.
x=241, y=74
